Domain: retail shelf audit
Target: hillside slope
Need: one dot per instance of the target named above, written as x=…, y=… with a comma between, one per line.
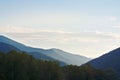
x=55, y=54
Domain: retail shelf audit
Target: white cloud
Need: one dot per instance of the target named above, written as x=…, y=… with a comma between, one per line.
x=108, y=35
x=113, y=18
x=20, y=29
x=118, y=26
x=60, y=36
x=14, y=29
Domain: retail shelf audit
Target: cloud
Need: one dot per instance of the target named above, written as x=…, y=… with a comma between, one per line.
x=59, y=36
x=113, y=18
x=14, y=29
x=118, y=26
x=21, y=29
x=108, y=35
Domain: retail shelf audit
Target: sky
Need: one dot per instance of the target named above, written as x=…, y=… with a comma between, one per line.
x=85, y=27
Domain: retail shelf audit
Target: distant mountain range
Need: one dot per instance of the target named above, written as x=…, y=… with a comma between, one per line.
x=110, y=60
x=107, y=61
x=64, y=58
x=6, y=47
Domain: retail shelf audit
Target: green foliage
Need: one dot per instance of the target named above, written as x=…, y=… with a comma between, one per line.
x=20, y=66
x=85, y=72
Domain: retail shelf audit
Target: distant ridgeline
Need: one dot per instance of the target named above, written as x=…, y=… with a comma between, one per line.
x=64, y=58
x=16, y=65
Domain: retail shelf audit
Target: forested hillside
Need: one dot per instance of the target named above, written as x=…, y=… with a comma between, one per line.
x=20, y=66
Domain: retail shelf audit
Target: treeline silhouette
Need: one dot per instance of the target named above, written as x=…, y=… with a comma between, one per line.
x=21, y=66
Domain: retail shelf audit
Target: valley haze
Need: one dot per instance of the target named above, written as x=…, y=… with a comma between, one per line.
x=64, y=58
x=83, y=27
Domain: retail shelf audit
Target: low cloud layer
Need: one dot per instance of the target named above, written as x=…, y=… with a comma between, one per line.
x=86, y=40
x=26, y=33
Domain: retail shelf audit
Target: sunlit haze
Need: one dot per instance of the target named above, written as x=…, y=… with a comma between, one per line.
x=84, y=27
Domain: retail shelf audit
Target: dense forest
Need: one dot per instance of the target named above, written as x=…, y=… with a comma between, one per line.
x=21, y=66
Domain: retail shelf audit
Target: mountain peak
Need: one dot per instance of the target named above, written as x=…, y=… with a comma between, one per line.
x=55, y=49
x=3, y=37
x=11, y=42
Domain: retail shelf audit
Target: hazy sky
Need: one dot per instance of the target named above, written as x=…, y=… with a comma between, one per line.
x=86, y=27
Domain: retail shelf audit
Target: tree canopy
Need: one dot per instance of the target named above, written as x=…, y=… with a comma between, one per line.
x=21, y=66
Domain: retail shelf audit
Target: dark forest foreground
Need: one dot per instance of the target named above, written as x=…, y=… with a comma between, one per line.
x=21, y=66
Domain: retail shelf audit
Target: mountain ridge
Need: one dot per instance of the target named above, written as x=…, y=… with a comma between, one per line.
x=6, y=47
x=109, y=60
x=53, y=53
